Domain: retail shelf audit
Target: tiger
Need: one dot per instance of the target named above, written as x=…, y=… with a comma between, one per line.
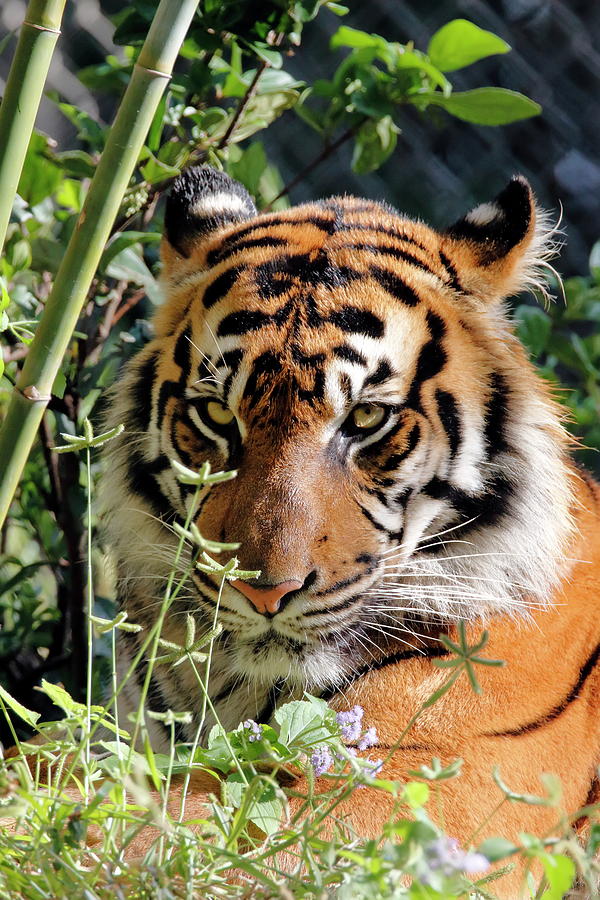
x=401, y=468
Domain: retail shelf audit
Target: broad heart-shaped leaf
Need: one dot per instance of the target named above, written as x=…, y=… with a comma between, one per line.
x=265, y=809
x=460, y=43
x=302, y=718
x=484, y=106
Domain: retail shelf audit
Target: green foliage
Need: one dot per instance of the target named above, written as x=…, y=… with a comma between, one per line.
x=378, y=76
x=229, y=87
x=564, y=342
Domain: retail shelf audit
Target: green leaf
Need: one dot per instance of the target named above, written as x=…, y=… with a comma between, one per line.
x=461, y=43
x=61, y=698
x=560, y=874
x=124, y=239
x=416, y=794
x=264, y=810
x=533, y=328
x=26, y=714
x=374, y=143
x=497, y=848
x=483, y=106
x=301, y=718
x=128, y=265
x=40, y=176
x=353, y=37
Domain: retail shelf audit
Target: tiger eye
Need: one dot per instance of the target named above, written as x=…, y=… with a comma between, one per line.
x=368, y=415
x=219, y=413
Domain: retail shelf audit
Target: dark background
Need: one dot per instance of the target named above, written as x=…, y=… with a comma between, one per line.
x=440, y=167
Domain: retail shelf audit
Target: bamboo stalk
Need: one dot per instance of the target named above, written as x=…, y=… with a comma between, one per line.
x=34, y=384
x=22, y=95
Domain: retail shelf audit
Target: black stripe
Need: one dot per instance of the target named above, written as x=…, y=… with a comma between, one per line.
x=181, y=354
x=346, y=582
x=337, y=608
x=346, y=387
x=454, y=279
x=433, y=652
x=450, y=419
x=141, y=481
x=267, y=363
x=560, y=708
x=431, y=361
x=217, y=256
x=220, y=287
x=167, y=390
x=395, y=286
x=232, y=359
x=324, y=224
x=358, y=321
x=140, y=409
x=496, y=415
x=345, y=351
x=395, y=252
x=252, y=320
x=383, y=229
x=486, y=508
x=381, y=374
x=393, y=535
x=396, y=458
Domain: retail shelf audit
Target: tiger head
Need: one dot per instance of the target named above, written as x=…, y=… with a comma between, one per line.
x=399, y=463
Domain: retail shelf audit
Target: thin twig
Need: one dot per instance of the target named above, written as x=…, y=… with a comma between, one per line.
x=325, y=153
x=251, y=90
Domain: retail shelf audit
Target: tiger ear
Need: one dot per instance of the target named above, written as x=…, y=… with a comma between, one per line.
x=498, y=247
x=201, y=201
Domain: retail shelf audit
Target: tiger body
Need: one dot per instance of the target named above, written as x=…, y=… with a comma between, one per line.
x=400, y=467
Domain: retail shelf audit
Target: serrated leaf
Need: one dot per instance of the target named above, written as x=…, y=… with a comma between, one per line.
x=461, y=43
x=300, y=718
x=483, y=106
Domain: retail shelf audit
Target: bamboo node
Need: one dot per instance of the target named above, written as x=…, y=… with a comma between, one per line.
x=32, y=393
x=41, y=27
x=158, y=72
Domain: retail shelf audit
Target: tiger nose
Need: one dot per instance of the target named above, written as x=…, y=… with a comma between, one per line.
x=266, y=599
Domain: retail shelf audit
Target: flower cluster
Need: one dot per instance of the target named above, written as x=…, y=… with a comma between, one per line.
x=445, y=856
x=321, y=760
x=350, y=722
x=254, y=728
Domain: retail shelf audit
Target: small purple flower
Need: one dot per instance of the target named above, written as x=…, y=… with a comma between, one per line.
x=446, y=856
x=373, y=767
x=321, y=759
x=350, y=723
x=255, y=730
x=369, y=739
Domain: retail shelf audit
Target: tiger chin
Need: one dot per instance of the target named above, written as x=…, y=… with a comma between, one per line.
x=401, y=468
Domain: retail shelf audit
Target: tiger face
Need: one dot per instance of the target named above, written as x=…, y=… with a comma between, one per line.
x=399, y=462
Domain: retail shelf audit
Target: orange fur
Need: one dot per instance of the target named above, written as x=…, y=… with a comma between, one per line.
x=467, y=398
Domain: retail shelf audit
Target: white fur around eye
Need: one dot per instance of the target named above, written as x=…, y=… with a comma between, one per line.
x=368, y=415
x=219, y=413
